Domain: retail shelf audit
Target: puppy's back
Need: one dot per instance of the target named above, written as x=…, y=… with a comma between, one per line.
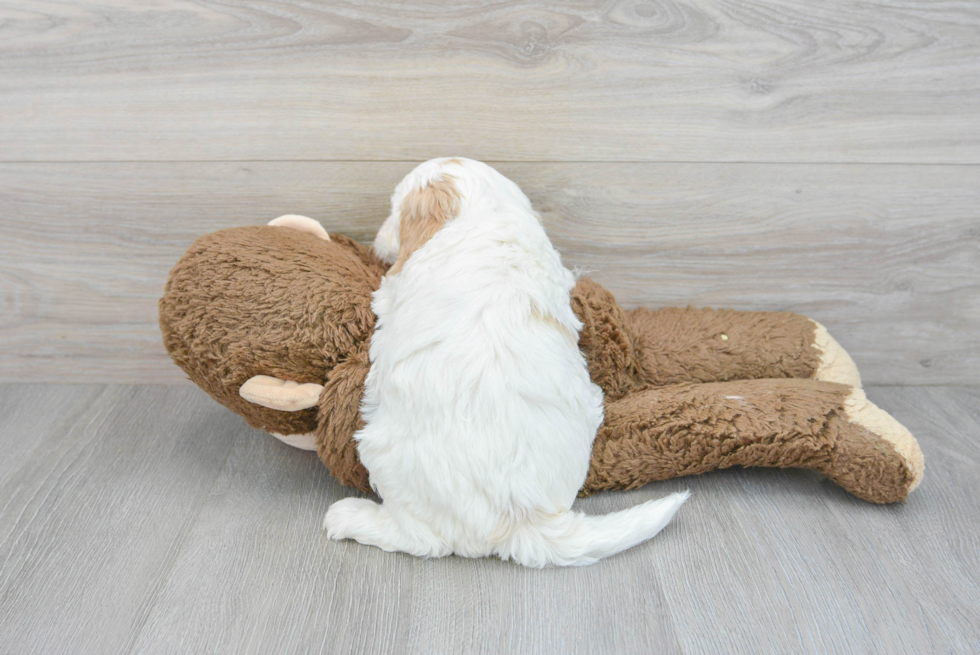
x=480, y=413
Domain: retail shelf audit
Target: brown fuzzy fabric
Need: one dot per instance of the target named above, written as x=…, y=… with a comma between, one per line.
x=340, y=418
x=666, y=432
x=641, y=348
x=607, y=339
x=714, y=345
x=267, y=301
x=687, y=390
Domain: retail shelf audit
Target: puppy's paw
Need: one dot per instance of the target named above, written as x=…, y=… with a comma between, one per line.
x=344, y=517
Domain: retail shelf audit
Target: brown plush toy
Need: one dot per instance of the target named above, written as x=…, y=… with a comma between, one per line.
x=274, y=322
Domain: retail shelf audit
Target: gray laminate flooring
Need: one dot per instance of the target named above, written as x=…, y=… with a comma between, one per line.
x=148, y=519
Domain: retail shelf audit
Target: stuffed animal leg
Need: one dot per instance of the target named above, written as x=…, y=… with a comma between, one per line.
x=633, y=349
x=666, y=432
x=711, y=345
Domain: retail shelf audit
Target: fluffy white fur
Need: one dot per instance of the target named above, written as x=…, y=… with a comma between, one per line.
x=479, y=410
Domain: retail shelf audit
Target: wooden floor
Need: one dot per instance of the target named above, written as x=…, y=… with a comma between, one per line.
x=149, y=519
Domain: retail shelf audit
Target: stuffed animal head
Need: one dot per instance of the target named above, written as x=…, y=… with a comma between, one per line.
x=252, y=306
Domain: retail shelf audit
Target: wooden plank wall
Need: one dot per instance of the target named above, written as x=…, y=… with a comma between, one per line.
x=816, y=157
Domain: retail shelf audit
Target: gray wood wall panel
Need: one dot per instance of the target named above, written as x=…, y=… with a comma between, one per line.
x=775, y=80
x=151, y=520
x=888, y=257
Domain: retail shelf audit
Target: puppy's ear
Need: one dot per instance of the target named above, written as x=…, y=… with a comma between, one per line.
x=424, y=212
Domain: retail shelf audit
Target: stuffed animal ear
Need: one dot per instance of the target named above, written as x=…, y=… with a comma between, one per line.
x=301, y=223
x=284, y=395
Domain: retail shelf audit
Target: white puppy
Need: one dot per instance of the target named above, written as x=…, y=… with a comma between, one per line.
x=479, y=411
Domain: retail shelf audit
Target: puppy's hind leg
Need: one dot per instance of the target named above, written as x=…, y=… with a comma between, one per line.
x=369, y=523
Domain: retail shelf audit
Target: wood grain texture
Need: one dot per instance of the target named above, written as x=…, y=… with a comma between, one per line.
x=93, y=515
x=150, y=520
x=888, y=257
x=635, y=80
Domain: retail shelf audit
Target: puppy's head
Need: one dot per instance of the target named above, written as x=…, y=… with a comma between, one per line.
x=422, y=204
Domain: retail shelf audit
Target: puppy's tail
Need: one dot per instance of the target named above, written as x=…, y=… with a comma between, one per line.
x=576, y=539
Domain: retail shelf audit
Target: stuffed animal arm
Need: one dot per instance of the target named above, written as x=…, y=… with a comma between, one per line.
x=275, y=322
